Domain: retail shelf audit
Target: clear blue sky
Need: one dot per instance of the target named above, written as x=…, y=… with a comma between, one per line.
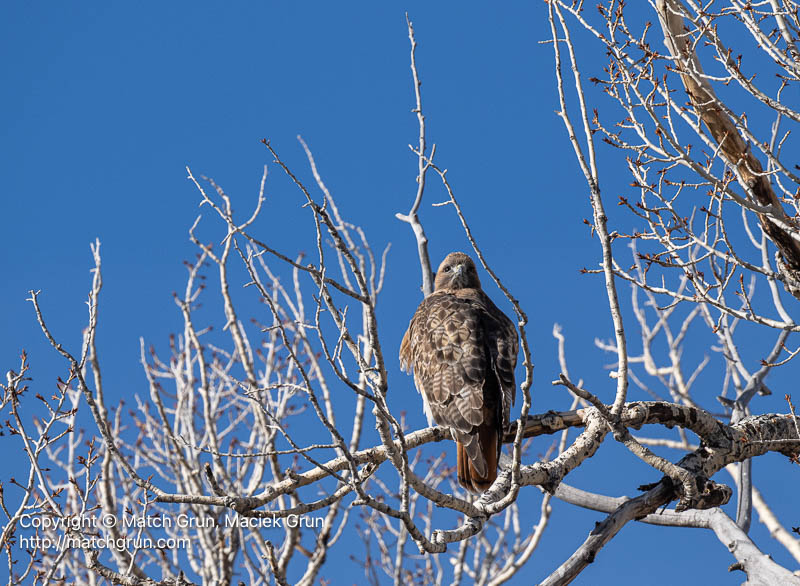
x=104, y=104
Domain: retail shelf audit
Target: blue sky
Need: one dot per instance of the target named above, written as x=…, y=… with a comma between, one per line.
x=104, y=104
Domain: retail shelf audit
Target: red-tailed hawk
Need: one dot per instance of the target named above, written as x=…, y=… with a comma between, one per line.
x=463, y=351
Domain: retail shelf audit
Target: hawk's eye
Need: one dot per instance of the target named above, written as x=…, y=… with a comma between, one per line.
x=447, y=269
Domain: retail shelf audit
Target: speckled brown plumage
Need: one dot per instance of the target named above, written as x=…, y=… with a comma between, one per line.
x=463, y=350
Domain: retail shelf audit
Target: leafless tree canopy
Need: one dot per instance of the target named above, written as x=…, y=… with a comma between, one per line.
x=237, y=430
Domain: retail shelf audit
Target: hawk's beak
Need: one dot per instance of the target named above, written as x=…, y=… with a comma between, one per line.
x=458, y=269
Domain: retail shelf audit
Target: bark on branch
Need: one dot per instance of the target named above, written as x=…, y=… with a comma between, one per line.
x=722, y=444
x=779, y=227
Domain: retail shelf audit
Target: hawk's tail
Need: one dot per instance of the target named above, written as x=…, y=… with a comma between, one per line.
x=489, y=451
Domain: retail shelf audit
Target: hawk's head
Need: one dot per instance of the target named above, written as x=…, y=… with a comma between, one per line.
x=457, y=271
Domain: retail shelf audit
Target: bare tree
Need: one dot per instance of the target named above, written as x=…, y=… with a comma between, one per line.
x=237, y=437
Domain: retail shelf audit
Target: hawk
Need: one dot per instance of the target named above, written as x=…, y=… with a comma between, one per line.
x=463, y=351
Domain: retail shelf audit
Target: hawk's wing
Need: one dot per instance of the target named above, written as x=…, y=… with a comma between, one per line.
x=503, y=347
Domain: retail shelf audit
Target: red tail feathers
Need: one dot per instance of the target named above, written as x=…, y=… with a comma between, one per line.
x=468, y=476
